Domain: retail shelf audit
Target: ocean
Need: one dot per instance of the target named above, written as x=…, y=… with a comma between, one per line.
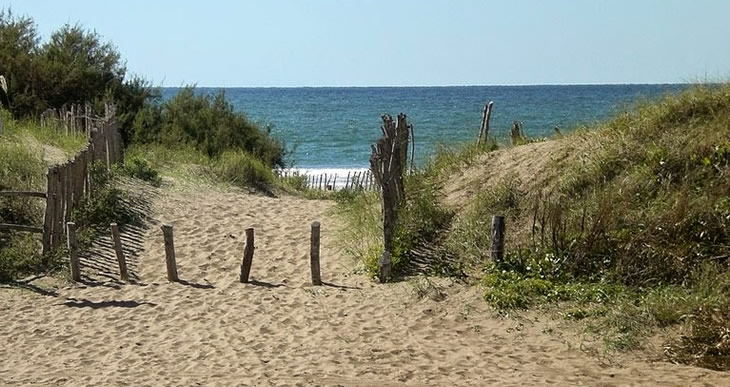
x=330, y=129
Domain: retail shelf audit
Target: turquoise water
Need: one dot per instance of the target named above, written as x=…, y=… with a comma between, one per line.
x=332, y=128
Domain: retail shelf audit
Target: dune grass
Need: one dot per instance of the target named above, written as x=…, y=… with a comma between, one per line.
x=632, y=236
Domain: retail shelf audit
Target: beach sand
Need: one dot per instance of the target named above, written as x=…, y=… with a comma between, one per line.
x=212, y=330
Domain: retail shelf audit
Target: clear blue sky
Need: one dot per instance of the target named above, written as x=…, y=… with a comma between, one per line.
x=409, y=42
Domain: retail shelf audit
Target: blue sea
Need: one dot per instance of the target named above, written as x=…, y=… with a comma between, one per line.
x=331, y=128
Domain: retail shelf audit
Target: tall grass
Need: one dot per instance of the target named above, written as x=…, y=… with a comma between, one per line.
x=362, y=233
x=243, y=169
x=21, y=169
x=18, y=131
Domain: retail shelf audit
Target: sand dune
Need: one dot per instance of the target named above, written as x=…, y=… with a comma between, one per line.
x=211, y=330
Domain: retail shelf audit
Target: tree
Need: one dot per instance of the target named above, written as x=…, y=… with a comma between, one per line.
x=77, y=67
x=18, y=50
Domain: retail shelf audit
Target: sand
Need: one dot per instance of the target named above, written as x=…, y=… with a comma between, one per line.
x=211, y=330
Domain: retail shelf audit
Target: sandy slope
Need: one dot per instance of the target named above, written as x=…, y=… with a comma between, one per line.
x=212, y=330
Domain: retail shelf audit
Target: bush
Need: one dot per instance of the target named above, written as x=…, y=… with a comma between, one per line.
x=208, y=123
x=105, y=205
x=243, y=169
x=74, y=66
x=140, y=168
x=19, y=256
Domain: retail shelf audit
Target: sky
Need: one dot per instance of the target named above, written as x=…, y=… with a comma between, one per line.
x=289, y=43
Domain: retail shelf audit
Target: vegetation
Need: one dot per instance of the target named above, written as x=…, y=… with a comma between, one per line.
x=417, y=243
x=76, y=66
x=207, y=123
x=73, y=66
x=106, y=205
x=631, y=232
x=20, y=169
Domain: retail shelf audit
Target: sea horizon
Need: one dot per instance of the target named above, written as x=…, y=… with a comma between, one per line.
x=333, y=127
x=198, y=86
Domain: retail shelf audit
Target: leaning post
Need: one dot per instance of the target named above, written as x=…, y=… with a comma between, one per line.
x=170, y=253
x=247, y=255
x=123, y=274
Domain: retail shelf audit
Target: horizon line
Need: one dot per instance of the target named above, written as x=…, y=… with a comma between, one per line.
x=436, y=86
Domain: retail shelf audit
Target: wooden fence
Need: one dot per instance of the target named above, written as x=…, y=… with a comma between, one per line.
x=68, y=183
x=74, y=118
x=354, y=180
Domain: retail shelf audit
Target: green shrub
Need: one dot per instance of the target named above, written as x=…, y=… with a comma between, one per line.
x=19, y=255
x=208, y=123
x=73, y=66
x=243, y=169
x=105, y=205
x=140, y=168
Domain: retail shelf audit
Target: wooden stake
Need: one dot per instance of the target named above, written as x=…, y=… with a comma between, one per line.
x=170, y=253
x=247, y=256
x=314, y=255
x=123, y=274
x=498, y=230
x=486, y=116
x=72, y=253
x=388, y=163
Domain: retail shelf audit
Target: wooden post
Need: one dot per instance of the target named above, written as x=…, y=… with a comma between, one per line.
x=247, y=256
x=57, y=207
x=314, y=255
x=484, y=128
x=498, y=229
x=123, y=274
x=48, y=213
x=170, y=253
x=72, y=253
x=388, y=162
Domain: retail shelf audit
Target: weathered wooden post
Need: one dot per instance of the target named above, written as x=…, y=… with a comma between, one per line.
x=123, y=274
x=72, y=253
x=388, y=163
x=170, y=253
x=247, y=256
x=314, y=255
x=516, y=133
x=484, y=128
x=498, y=229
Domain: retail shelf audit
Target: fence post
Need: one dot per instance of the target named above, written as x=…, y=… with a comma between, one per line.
x=170, y=253
x=247, y=256
x=497, y=238
x=48, y=213
x=314, y=255
x=72, y=253
x=123, y=274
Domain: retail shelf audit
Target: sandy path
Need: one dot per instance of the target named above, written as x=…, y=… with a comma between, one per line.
x=213, y=330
